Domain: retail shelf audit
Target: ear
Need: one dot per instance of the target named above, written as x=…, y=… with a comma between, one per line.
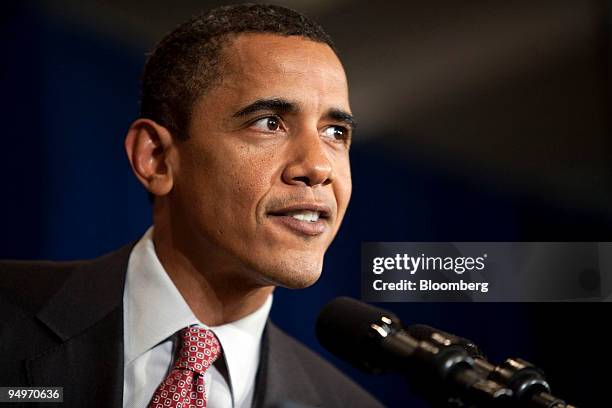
x=149, y=147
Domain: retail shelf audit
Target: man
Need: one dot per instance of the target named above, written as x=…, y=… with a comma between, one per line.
x=243, y=144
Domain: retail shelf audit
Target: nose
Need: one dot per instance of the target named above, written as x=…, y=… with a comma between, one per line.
x=309, y=164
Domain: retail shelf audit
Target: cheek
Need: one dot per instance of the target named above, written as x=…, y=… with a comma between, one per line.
x=343, y=187
x=231, y=180
x=250, y=177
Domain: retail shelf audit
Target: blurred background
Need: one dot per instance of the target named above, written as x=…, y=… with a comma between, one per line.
x=479, y=121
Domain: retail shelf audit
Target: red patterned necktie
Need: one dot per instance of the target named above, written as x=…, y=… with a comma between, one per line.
x=184, y=386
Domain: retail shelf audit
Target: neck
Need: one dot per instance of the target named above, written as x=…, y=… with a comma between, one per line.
x=217, y=295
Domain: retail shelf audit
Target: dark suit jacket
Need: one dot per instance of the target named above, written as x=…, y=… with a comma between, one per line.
x=61, y=324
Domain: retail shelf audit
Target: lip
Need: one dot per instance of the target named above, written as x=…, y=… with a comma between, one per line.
x=323, y=210
x=308, y=228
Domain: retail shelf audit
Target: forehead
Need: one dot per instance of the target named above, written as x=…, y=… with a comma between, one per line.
x=254, y=66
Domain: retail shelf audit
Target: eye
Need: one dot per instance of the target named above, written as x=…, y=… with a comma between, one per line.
x=267, y=124
x=336, y=132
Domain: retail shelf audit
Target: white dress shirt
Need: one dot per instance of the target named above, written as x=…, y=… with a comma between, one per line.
x=154, y=311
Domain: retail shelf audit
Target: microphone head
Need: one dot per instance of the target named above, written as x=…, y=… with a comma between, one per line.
x=353, y=330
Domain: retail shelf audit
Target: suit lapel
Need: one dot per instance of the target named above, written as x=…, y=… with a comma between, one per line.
x=87, y=315
x=281, y=377
x=89, y=366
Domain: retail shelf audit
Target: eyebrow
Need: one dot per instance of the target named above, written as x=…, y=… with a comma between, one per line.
x=342, y=116
x=274, y=104
x=280, y=105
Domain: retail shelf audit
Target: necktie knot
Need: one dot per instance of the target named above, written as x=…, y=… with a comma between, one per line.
x=184, y=386
x=199, y=349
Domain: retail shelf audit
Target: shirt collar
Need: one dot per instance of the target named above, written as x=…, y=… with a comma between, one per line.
x=154, y=310
x=241, y=341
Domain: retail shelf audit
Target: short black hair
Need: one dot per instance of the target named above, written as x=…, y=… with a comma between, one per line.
x=185, y=63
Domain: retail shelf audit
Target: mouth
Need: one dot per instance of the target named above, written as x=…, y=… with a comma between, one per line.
x=303, y=219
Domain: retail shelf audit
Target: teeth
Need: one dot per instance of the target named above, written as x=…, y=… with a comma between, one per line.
x=310, y=216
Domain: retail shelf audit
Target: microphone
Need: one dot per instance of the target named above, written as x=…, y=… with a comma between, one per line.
x=428, y=333
x=374, y=340
x=527, y=382
x=438, y=363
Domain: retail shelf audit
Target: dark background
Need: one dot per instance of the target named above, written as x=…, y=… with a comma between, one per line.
x=479, y=121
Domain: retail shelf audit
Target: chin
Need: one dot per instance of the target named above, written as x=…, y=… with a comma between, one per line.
x=294, y=273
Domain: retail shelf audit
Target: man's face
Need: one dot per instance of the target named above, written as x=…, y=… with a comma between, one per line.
x=263, y=182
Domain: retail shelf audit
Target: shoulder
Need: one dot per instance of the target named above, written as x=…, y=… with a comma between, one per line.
x=29, y=289
x=28, y=285
x=334, y=387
